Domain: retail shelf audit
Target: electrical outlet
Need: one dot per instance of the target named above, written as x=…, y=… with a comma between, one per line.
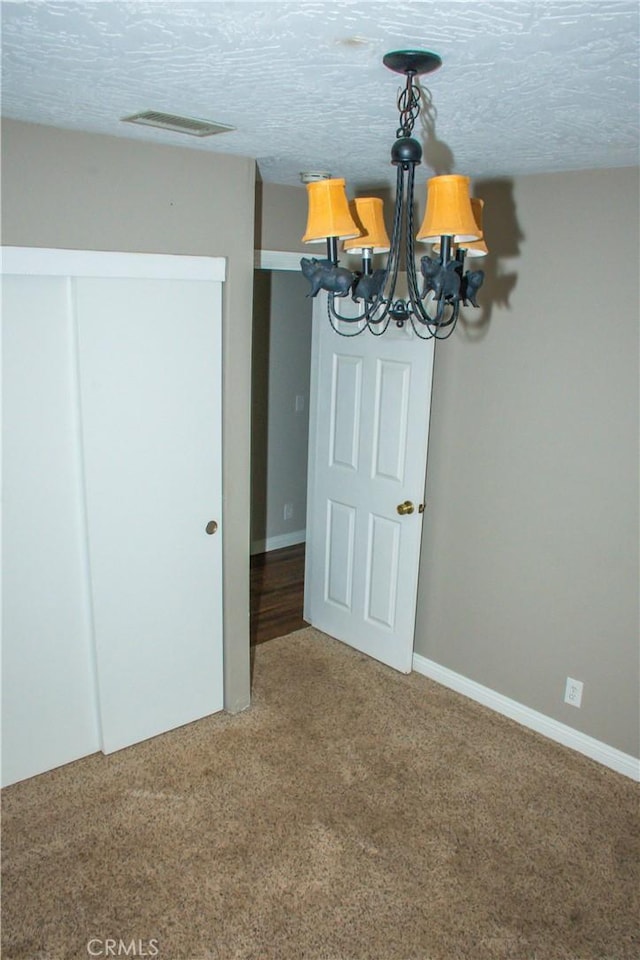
x=288, y=511
x=299, y=404
x=573, y=692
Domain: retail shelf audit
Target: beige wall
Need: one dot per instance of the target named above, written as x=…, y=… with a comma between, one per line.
x=529, y=568
x=281, y=365
x=530, y=548
x=281, y=216
x=85, y=191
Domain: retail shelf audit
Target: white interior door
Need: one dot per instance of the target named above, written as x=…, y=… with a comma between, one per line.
x=150, y=368
x=369, y=422
x=49, y=713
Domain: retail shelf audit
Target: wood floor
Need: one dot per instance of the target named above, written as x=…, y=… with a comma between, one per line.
x=277, y=593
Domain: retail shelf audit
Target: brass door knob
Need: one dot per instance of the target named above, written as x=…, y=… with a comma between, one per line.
x=404, y=508
x=211, y=527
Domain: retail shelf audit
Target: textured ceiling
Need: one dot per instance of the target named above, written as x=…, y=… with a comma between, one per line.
x=526, y=85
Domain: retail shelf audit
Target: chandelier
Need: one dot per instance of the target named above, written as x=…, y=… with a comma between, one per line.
x=452, y=224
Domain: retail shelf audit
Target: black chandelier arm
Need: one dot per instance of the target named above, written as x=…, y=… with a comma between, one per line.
x=441, y=319
x=368, y=315
x=383, y=329
x=420, y=328
x=412, y=280
x=393, y=260
x=448, y=325
x=376, y=326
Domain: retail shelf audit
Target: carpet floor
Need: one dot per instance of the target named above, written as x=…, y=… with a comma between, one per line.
x=352, y=813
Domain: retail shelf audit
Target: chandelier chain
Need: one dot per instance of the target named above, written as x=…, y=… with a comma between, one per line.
x=409, y=107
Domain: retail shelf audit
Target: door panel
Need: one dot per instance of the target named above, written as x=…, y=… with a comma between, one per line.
x=383, y=548
x=345, y=411
x=391, y=405
x=49, y=714
x=369, y=421
x=150, y=393
x=339, y=555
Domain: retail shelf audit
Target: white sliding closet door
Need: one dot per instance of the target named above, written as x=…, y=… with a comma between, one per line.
x=49, y=714
x=112, y=618
x=149, y=356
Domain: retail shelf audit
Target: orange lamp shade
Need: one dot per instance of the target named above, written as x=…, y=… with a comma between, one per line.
x=449, y=211
x=328, y=214
x=368, y=214
x=473, y=248
x=477, y=248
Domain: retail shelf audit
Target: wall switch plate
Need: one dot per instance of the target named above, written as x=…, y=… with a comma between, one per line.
x=299, y=407
x=573, y=692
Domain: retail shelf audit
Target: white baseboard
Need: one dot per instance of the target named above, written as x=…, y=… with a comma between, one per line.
x=278, y=542
x=621, y=762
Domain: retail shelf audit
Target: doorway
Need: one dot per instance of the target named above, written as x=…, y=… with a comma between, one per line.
x=362, y=538
x=281, y=358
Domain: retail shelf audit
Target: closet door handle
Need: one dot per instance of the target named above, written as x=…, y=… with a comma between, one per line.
x=211, y=527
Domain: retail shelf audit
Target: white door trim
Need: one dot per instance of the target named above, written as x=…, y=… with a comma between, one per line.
x=54, y=262
x=277, y=260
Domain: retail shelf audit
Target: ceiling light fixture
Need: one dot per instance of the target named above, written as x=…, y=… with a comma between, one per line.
x=452, y=223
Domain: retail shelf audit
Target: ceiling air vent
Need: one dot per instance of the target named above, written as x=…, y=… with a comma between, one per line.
x=170, y=121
